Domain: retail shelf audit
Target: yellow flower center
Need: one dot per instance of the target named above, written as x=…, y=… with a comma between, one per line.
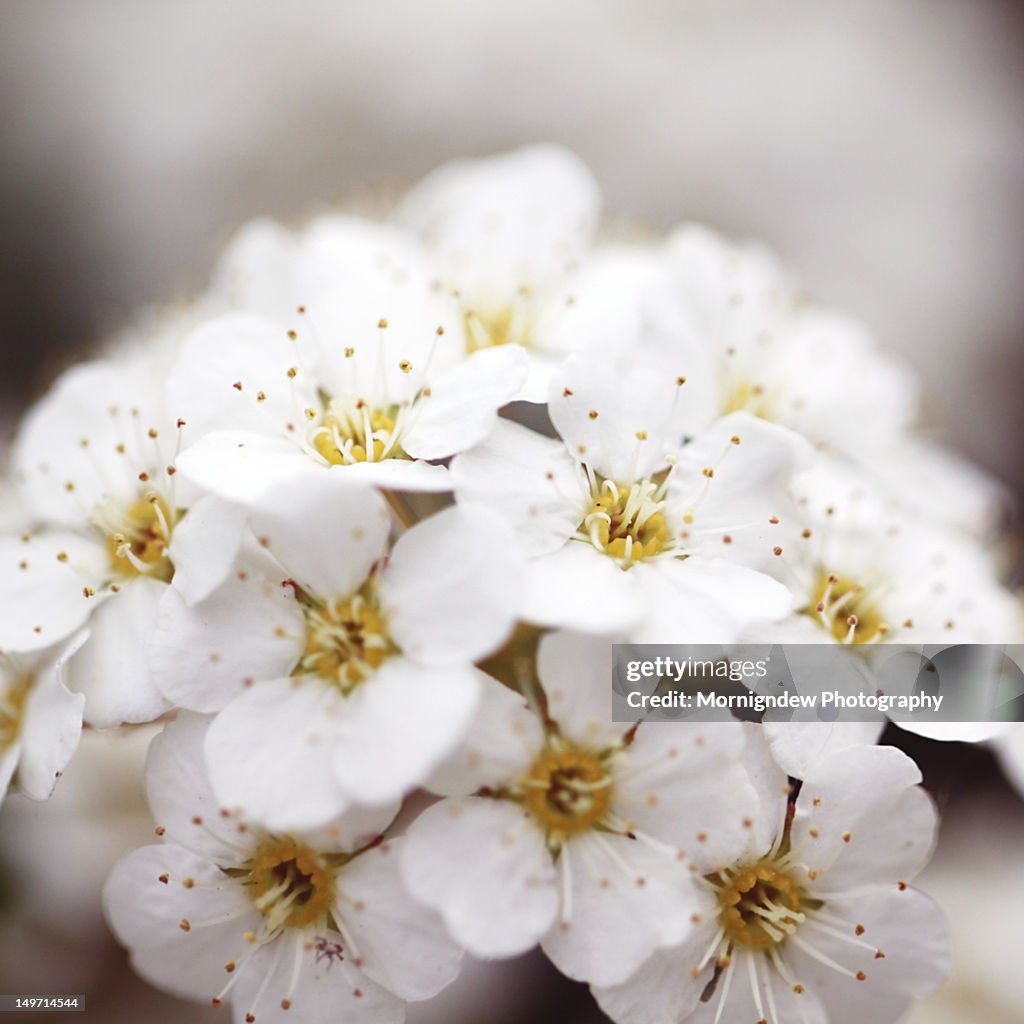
x=848, y=610
x=346, y=639
x=138, y=537
x=12, y=708
x=500, y=325
x=292, y=886
x=758, y=905
x=746, y=396
x=626, y=522
x=567, y=790
x=353, y=431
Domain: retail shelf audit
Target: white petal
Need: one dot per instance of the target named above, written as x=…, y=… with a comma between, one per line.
x=663, y=990
x=255, y=272
x=246, y=631
x=270, y=754
x=90, y=432
x=499, y=746
x=797, y=745
x=325, y=532
x=43, y=596
x=627, y=900
x=860, y=818
x=576, y=672
x=669, y=785
x=453, y=586
x=399, y=475
x=484, y=866
x=330, y=989
x=402, y=944
x=238, y=349
x=180, y=797
x=146, y=915
x=463, y=403
x=529, y=479
x=621, y=420
x=204, y=546
x=705, y=600
x=508, y=220
x=580, y=588
x=112, y=669
x=51, y=729
x=244, y=467
x=398, y=727
x=906, y=926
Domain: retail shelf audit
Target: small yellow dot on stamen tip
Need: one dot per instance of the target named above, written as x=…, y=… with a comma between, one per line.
x=708, y=472
x=592, y=414
x=847, y=836
x=310, y=414
x=736, y=439
x=680, y=381
x=249, y=936
x=229, y=966
x=237, y=385
x=144, y=477
x=852, y=620
x=62, y=556
x=165, y=878
x=84, y=442
x=641, y=435
x=774, y=520
x=261, y=396
x=349, y=352
x=249, y=1018
x=859, y=930
x=382, y=323
x=188, y=883
x=215, y=1001
x=115, y=588
x=439, y=331
x=300, y=310
x=814, y=833
x=181, y=423
x=776, y=551
x=567, y=392
x=879, y=955
x=582, y=449
x=861, y=976
x=153, y=433
x=405, y=366
x=799, y=989
x=184, y=925
x=293, y=372
x=292, y=335
x=69, y=486
x=88, y=592
x=159, y=830
x=426, y=392
x=286, y=1004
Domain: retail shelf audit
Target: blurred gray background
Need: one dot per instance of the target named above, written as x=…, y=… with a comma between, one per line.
x=877, y=145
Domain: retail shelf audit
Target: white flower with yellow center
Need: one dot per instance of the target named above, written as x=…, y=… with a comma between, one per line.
x=296, y=926
x=627, y=526
x=811, y=919
x=40, y=721
x=342, y=668
x=368, y=375
x=573, y=836
x=506, y=234
x=94, y=463
x=778, y=356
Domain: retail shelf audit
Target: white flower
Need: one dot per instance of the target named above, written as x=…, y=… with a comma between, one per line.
x=812, y=920
x=1009, y=749
x=369, y=374
x=342, y=671
x=507, y=233
x=287, y=927
x=574, y=835
x=780, y=357
x=94, y=464
x=627, y=527
x=40, y=721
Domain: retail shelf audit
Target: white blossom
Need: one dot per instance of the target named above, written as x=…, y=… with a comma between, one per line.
x=624, y=525
x=574, y=834
x=812, y=920
x=40, y=720
x=297, y=926
x=94, y=464
x=341, y=666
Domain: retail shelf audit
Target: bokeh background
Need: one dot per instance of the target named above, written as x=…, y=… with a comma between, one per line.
x=878, y=146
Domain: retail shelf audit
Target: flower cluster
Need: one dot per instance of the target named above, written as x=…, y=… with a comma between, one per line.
x=363, y=522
